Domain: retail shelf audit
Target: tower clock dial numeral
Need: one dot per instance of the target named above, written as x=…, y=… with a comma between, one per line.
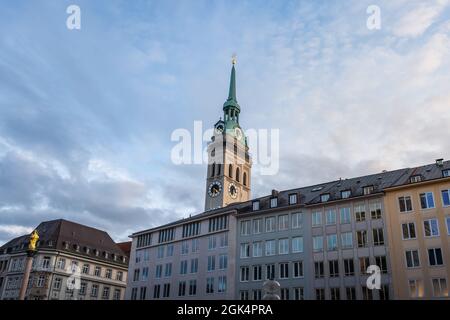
x=214, y=189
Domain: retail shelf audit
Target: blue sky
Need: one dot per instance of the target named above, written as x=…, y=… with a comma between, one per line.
x=86, y=115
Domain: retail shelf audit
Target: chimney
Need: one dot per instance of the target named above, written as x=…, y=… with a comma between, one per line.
x=439, y=162
x=274, y=193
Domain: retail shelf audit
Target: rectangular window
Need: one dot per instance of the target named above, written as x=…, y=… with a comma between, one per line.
x=255, y=205
x=320, y=294
x=440, y=287
x=105, y=294
x=431, y=228
x=351, y=293
x=191, y=229
x=218, y=223
x=183, y=267
x=297, y=220
x=245, y=250
x=194, y=265
x=156, y=291
x=346, y=194
x=257, y=294
x=116, y=295
x=270, y=224
x=378, y=237
x=448, y=225
x=158, y=271
x=335, y=294
x=211, y=242
x=46, y=263
x=325, y=197
x=184, y=248
x=405, y=204
x=181, y=288
x=192, y=287
x=94, y=290
x=257, y=249
x=168, y=270
x=298, y=269
x=270, y=272
x=426, y=200
x=363, y=264
x=367, y=293
x=57, y=284
x=257, y=226
x=362, y=238
x=284, y=293
x=381, y=263
x=384, y=292
x=414, y=288
x=412, y=259
x=330, y=217
x=368, y=190
x=408, y=230
x=257, y=273
x=223, y=261
x=245, y=274
x=85, y=269
x=318, y=269
x=318, y=244
x=446, y=198
x=170, y=250
x=446, y=173
x=375, y=210
x=293, y=198
x=83, y=287
x=332, y=242
x=222, y=287
x=195, y=245
x=345, y=216
x=283, y=246
x=299, y=293
x=297, y=244
x=284, y=270
x=435, y=257
x=108, y=274
x=137, y=273
x=270, y=247
x=317, y=218
x=209, y=285
x=360, y=212
x=245, y=227
x=119, y=276
x=334, y=268
x=347, y=240
x=283, y=222
x=243, y=295
x=349, y=267
x=211, y=263
x=144, y=274
x=416, y=178
x=273, y=202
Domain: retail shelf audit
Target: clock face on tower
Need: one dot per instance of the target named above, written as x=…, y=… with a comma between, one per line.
x=238, y=133
x=233, y=191
x=214, y=189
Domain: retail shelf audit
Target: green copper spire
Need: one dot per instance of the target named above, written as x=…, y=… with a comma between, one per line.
x=232, y=101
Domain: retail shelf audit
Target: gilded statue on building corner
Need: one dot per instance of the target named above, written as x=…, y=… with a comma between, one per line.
x=34, y=237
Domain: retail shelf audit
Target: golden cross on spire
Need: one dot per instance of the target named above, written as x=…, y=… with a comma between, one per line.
x=234, y=59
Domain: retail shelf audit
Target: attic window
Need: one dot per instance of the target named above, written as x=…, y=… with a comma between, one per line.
x=317, y=189
x=293, y=198
x=368, y=190
x=325, y=197
x=255, y=205
x=416, y=178
x=446, y=173
x=346, y=194
x=273, y=202
x=87, y=250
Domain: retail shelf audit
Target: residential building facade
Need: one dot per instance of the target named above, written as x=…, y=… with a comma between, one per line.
x=72, y=262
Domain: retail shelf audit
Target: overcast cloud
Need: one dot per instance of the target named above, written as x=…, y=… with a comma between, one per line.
x=86, y=116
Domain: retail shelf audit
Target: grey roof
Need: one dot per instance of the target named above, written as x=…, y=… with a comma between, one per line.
x=310, y=195
x=71, y=237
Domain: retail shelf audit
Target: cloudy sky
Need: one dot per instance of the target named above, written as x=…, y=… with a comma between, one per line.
x=86, y=115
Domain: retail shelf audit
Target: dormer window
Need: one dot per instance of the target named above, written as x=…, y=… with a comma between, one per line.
x=346, y=194
x=368, y=190
x=446, y=173
x=255, y=205
x=416, y=178
x=325, y=197
x=273, y=202
x=293, y=198
x=76, y=247
x=66, y=245
x=50, y=243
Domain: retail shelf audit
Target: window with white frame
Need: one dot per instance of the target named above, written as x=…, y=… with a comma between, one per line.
x=257, y=294
x=368, y=190
x=346, y=194
x=245, y=250
x=447, y=220
x=445, y=198
x=298, y=269
x=297, y=244
x=435, y=257
x=194, y=265
x=270, y=224
x=257, y=226
x=293, y=198
x=257, y=249
x=40, y=281
x=316, y=218
x=296, y=220
x=270, y=271
x=345, y=216
x=361, y=236
x=223, y=240
x=160, y=253
x=283, y=222
x=284, y=270
x=158, y=271
x=330, y=216
x=222, y=287
x=317, y=243
x=360, y=212
x=431, y=228
x=349, y=267
x=440, y=287
x=46, y=263
x=211, y=263
x=184, y=247
x=283, y=245
x=332, y=242
x=375, y=210
x=85, y=269
x=255, y=205
x=183, y=267
x=446, y=173
x=378, y=237
x=196, y=244
x=223, y=262
x=245, y=227
x=299, y=293
x=347, y=240
x=324, y=197
x=270, y=247
x=381, y=262
x=319, y=271
x=273, y=202
x=245, y=274
x=212, y=242
x=408, y=230
x=405, y=204
x=243, y=295
x=412, y=258
x=426, y=200
x=414, y=288
x=333, y=267
x=257, y=273
x=416, y=178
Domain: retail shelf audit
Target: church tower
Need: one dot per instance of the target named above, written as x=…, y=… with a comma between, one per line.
x=229, y=164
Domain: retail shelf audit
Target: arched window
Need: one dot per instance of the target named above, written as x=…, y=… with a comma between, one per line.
x=213, y=152
x=237, y=174
x=230, y=170
x=213, y=166
x=244, y=178
x=219, y=167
